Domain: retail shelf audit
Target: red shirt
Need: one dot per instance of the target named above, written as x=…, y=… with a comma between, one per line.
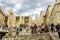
x=35, y=26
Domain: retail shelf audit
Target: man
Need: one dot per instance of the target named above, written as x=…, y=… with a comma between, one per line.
x=58, y=29
x=17, y=31
x=43, y=27
x=52, y=26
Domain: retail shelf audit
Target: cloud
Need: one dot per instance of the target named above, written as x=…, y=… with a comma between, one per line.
x=15, y=10
x=25, y=7
x=18, y=6
x=38, y=4
x=1, y=4
x=0, y=0
x=37, y=10
x=7, y=8
x=31, y=12
x=48, y=0
x=13, y=1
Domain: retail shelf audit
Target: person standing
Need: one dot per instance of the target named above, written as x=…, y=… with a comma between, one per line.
x=43, y=27
x=52, y=26
x=58, y=29
x=35, y=27
x=46, y=29
x=17, y=31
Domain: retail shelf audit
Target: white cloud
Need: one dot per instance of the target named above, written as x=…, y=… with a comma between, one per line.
x=12, y=1
x=27, y=6
x=33, y=12
x=8, y=9
x=17, y=6
x=15, y=10
x=1, y=4
x=37, y=10
x=30, y=12
x=38, y=4
x=48, y=0
x=1, y=0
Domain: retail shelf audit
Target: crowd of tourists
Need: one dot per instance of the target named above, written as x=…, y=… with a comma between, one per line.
x=35, y=29
x=45, y=28
x=55, y=28
x=39, y=29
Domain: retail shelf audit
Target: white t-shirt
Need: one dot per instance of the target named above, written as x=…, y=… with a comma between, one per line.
x=43, y=26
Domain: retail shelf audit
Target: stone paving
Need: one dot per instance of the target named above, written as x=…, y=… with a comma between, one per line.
x=24, y=35
x=54, y=35
x=43, y=36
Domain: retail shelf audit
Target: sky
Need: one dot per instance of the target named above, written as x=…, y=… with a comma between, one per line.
x=25, y=7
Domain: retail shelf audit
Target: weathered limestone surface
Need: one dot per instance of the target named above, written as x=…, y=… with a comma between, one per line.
x=54, y=36
x=29, y=37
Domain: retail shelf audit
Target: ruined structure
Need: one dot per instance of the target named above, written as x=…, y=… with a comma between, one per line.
x=12, y=20
x=53, y=13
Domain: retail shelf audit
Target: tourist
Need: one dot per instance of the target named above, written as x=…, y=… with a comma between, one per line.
x=32, y=29
x=20, y=28
x=35, y=27
x=39, y=29
x=54, y=29
x=43, y=27
x=46, y=29
x=17, y=31
x=52, y=26
x=58, y=29
x=3, y=27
